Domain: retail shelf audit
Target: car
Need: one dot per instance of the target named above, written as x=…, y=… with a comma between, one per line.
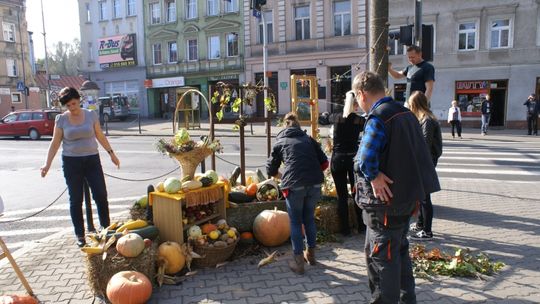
x=114, y=107
x=32, y=123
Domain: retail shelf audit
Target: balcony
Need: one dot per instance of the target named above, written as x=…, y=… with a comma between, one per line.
x=199, y=67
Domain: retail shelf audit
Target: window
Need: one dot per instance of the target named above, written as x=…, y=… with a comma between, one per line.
x=131, y=8
x=23, y=116
x=173, y=52
x=342, y=18
x=500, y=33
x=213, y=47
x=116, y=9
x=90, y=52
x=467, y=36
x=301, y=22
x=16, y=98
x=156, y=53
x=102, y=10
x=9, y=31
x=171, y=11
x=232, y=45
x=38, y=116
x=11, y=66
x=269, y=28
x=231, y=6
x=155, y=13
x=87, y=6
x=12, y=117
x=212, y=7
x=192, y=50
x=191, y=9
x=395, y=48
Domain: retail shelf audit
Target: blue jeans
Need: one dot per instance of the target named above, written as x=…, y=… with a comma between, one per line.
x=485, y=122
x=301, y=208
x=76, y=170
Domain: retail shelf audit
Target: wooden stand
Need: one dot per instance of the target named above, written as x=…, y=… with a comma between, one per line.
x=167, y=209
x=6, y=254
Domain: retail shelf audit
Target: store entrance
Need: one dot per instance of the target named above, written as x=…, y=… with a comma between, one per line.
x=498, y=97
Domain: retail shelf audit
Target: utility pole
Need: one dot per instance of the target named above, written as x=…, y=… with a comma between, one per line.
x=49, y=101
x=418, y=23
x=265, y=83
x=22, y=55
x=378, y=37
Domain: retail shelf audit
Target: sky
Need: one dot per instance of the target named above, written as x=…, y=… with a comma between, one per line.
x=61, y=23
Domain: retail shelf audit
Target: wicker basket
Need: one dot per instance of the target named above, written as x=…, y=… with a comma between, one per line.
x=189, y=161
x=211, y=256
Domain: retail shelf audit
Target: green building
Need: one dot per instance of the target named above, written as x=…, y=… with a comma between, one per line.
x=191, y=43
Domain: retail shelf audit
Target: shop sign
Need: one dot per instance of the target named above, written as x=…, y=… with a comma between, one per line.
x=283, y=85
x=117, y=51
x=5, y=91
x=168, y=82
x=223, y=77
x=472, y=85
x=34, y=89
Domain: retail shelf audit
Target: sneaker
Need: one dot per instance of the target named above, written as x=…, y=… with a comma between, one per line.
x=415, y=228
x=422, y=236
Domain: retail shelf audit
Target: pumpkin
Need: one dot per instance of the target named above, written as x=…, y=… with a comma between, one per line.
x=172, y=253
x=18, y=300
x=129, y=287
x=207, y=228
x=194, y=231
x=272, y=227
x=246, y=235
x=130, y=245
x=251, y=190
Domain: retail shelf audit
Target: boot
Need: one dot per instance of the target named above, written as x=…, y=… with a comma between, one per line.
x=297, y=264
x=309, y=256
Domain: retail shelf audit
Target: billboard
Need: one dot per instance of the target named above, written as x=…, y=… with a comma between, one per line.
x=117, y=51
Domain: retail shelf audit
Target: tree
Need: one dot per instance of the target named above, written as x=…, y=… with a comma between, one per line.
x=65, y=59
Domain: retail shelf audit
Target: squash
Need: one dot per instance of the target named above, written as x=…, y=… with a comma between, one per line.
x=246, y=235
x=207, y=228
x=272, y=227
x=130, y=245
x=239, y=197
x=129, y=287
x=251, y=190
x=18, y=300
x=192, y=185
x=148, y=232
x=172, y=253
x=194, y=232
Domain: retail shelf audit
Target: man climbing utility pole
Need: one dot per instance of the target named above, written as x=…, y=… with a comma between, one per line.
x=378, y=37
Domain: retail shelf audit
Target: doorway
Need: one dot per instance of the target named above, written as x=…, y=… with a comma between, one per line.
x=498, y=116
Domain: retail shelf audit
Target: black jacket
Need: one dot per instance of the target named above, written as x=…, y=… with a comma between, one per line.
x=432, y=134
x=302, y=157
x=346, y=131
x=485, y=107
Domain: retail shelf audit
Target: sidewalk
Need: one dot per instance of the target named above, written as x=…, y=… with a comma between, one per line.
x=501, y=219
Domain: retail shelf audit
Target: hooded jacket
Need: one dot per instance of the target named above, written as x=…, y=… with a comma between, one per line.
x=302, y=157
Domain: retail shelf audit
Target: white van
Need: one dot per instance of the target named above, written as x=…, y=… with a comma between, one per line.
x=115, y=107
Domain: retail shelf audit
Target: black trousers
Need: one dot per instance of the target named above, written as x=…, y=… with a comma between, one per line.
x=76, y=170
x=457, y=125
x=341, y=166
x=532, y=124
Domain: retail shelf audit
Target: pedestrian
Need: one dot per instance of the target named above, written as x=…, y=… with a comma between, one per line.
x=432, y=135
x=347, y=127
x=454, y=118
x=394, y=172
x=77, y=130
x=533, y=108
x=486, y=114
x=301, y=183
x=420, y=74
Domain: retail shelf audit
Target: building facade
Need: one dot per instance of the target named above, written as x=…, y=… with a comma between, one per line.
x=326, y=39
x=191, y=44
x=112, y=45
x=480, y=47
x=17, y=85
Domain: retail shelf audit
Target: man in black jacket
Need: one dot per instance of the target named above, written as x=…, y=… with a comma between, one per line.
x=394, y=172
x=486, y=114
x=533, y=108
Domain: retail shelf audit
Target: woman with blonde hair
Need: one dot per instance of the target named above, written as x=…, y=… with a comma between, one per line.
x=454, y=118
x=418, y=104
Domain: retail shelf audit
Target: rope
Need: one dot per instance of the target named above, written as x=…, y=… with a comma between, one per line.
x=140, y=180
x=231, y=163
x=31, y=215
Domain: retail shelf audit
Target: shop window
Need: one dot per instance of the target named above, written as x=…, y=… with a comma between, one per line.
x=268, y=19
x=342, y=18
x=467, y=36
x=339, y=85
x=214, y=47
x=301, y=22
x=500, y=33
x=131, y=7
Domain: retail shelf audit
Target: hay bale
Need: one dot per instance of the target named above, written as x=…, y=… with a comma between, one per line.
x=242, y=217
x=327, y=217
x=99, y=272
x=136, y=212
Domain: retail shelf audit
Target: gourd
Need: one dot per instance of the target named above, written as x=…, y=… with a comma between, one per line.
x=272, y=227
x=130, y=245
x=18, y=300
x=194, y=231
x=192, y=185
x=251, y=190
x=129, y=287
x=175, y=260
x=207, y=228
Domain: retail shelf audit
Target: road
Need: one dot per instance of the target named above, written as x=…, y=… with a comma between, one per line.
x=25, y=192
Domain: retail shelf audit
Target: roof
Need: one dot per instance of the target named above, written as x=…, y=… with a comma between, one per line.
x=62, y=81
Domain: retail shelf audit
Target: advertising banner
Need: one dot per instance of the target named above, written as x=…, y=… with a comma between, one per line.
x=117, y=51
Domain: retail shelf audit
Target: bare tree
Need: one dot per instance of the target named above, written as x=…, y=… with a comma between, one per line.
x=65, y=58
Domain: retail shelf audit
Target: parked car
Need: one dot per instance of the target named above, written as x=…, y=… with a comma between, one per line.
x=32, y=123
x=115, y=107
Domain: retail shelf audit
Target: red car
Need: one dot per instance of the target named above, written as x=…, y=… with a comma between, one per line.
x=32, y=123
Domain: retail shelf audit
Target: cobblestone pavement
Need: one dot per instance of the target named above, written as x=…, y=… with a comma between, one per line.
x=501, y=219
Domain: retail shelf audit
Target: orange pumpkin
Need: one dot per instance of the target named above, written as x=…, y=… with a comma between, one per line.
x=251, y=190
x=207, y=228
x=18, y=300
x=172, y=253
x=246, y=235
x=129, y=287
x=272, y=227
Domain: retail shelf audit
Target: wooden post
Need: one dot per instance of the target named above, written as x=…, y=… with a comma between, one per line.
x=378, y=37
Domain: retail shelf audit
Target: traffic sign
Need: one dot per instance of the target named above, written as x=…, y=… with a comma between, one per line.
x=20, y=86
